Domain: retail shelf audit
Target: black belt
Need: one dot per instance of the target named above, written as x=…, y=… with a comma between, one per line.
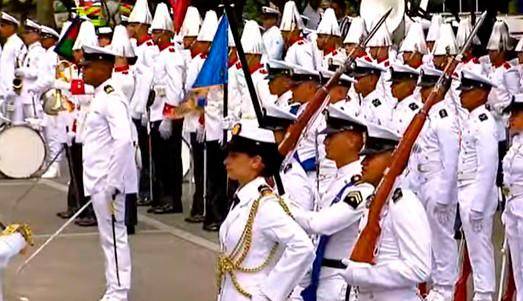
x=333, y=263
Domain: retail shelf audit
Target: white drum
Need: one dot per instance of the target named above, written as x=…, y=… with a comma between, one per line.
x=22, y=152
x=186, y=157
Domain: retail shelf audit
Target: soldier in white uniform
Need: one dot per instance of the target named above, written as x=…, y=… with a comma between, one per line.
x=413, y=47
x=12, y=56
x=357, y=31
x=403, y=254
x=477, y=168
x=444, y=47
x=166, y=134
x=272, y=38
x=267, y=262
x=298, y=51
x=328, y=38
x=403, y=85
x=280, y=83
x=145, y=51
x=108, y=149
x=431, y=174
x=342, y=207
x=373, y=106
x=513, y=183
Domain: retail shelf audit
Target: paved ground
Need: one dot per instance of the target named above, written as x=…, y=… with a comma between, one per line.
x=172, y=260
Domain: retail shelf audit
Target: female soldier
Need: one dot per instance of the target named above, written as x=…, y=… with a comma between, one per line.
x=264, y=253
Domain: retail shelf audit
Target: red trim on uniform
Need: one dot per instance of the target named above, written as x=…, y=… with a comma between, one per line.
x=165, y=45
x=255, y=68
x=145, y=38
x=121, y=68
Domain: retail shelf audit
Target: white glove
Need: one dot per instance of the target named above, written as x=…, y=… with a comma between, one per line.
x=61, y=85
x=70, y=137
x=35, y=123
x=200, y=134
x=165, y=129
x=351, y=265
x=511, y=78
x=20, y=72
x=111, y=191
x=442, y=213
x=476, y=220
x=159, y=91
x=227, y=122
x=145, y=119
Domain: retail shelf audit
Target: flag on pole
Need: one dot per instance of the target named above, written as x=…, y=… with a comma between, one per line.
x=179, y=10
x=214, y=70
x=64, y=47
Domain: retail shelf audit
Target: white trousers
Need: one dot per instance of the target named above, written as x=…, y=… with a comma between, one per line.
x=479, y=244
x=53, y=134
x=388, y=295
x=102, y=209
x=21, y=112
x=330, y=288
x=513, y=220
x=444, y=246
x=10, y=246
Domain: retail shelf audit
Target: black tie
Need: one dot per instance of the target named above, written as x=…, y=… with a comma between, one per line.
x=235, y=201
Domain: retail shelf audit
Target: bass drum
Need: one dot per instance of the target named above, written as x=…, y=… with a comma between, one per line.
x=22, y=152
x=186, y=158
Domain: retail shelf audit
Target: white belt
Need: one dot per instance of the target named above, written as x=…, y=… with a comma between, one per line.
x=430, y=167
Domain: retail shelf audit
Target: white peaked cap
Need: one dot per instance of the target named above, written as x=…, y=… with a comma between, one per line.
x=9, y=18
x=86, y=36
x=464, y=31
x=414, y=40
x=191, y=23
x=275, y=111
x=341, y=111
x=271, y=9
x=381, y=38
x=32, y=24
x=357, y=30
x=64, y=29
x=477, y=75
x=499, y=38
x=140, y=13
x=368, y=63
x=95, y=49
x=329, y=24
x=344, y=77
x=121, y=44
x=378, y=131
x=291, y=17
x=48, y=30
x=403, y=68
x=162, y=18
x=209, y=27
x=252, y=42
x=251, y=130
x=430, y=71
x=446, y=43
x=519, y=46
x=435, y=24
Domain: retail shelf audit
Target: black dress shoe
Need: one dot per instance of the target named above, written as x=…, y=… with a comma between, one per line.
x=213, y=227
x=144, y=202
x=66, y=214
x=86, y=222
x=131, y=230
x=195, y=219
x=152, y=209
x=167, y=209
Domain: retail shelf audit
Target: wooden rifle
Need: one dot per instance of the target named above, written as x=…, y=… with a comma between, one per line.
x=320, y=100
x=366, y=244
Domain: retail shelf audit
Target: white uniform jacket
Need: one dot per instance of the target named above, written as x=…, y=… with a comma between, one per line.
x=13, y=52
x=32, y=67
x=374, y=108
x=403, y=113
x=146, y=52
x=478, y=158
x=107, y=146
x=301, y=53
x=271, y=226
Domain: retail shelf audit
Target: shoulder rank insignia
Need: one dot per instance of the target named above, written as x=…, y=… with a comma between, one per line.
x=355, y=179
x=443, y=113
x=397, y=195
x=483, y=117
x=376, y=102
x=413, y=106
x=265, y=190
x=108, y=89
x=353, y=199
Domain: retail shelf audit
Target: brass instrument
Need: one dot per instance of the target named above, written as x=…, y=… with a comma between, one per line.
x=18, y=81
x=53, y=100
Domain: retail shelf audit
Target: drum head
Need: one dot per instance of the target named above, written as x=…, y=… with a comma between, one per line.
x=186, y=157
x=22, y=152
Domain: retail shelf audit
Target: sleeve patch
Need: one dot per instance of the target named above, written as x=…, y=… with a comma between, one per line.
x=443, y=113
x=353, y=199
x=108, y=89
x=397, y=195
x=483, y=117
x=413, y=106
x=376, y=102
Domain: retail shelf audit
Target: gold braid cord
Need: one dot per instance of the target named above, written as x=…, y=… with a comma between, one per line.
x=23, y=229
x=232, y=264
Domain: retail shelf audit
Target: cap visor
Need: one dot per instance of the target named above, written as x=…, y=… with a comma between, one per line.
x=327, y=131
